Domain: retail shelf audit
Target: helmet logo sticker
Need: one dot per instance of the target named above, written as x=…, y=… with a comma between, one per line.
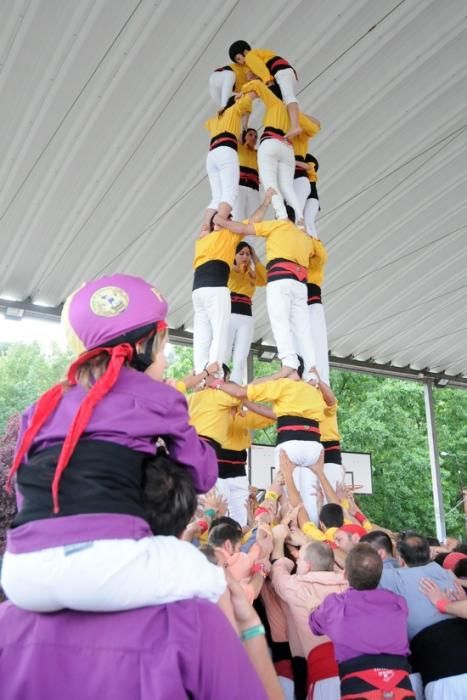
x=109, y=301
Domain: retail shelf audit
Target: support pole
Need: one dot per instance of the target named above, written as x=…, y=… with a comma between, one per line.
x=434, y=462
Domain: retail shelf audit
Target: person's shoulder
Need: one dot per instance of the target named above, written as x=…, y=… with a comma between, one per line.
x=141, y=386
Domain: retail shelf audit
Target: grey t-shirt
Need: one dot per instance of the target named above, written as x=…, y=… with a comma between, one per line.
x=406, y=582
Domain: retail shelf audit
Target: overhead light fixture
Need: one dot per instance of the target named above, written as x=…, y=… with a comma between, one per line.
x=442, y=381
x=266, y=355
x=14, y=313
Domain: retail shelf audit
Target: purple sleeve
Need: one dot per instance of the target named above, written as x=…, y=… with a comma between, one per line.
x=319, y=616
x=227, y=671
x=186, y=447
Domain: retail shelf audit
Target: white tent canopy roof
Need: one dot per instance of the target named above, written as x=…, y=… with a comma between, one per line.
x=102, y=152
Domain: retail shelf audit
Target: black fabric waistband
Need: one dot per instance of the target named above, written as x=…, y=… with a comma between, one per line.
x=434, y=657
x=277, y=63
x=297, y=428
x=270, y=132
x=101, y=477
x=299, y=172
x=283, y=269
x=314, y=294
x=214, y=273
x=214, y=444
x=224, y=139
x=332, y=451
x=231, y=463
x=354, y=685
x=249, y=177
x=313, y=191
x=240, y=304
x=218, y=70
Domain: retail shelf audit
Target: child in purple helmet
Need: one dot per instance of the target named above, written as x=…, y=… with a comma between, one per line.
x=81, y=538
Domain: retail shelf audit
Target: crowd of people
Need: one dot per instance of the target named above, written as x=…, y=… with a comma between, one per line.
x=140, y=563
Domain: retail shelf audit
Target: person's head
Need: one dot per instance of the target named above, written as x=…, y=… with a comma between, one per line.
x=451, y=543
x=243, y=253
x=169, y=497
x=460, y=569
x=315, y=556
x=453, y=559
x=433, y=541
x=250, y=137
x=230, y=103
x=380, y=542
x=363, y=568
x=225, y=537
x=413, y=550
x=331, y=515
x=225, y=520
x=237, y=51
x=348, y=536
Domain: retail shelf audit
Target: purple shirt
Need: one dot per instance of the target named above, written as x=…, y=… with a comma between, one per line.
x=157, y=653
x=363, y=622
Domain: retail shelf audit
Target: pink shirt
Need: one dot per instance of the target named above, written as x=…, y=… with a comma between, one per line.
x=303, y=594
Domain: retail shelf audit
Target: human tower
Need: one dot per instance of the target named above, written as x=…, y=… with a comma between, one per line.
x=228, y=270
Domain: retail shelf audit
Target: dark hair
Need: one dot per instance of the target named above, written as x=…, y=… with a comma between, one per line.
x=237, y=47
x=332, y=515
x=276, y=91
x=377, y=539
x=230, y=103
x=433, y=541
x=440, y=558
x=169, y=497
x=209, y=553
x=290, y=212
x=414, y=550
x=363, y=567
x=460, y=569
x=224, y=533
x=245, y=131
x=225, y=520
x=462, y=548
x=242, y=245
x=301, y=366
x=225, y=370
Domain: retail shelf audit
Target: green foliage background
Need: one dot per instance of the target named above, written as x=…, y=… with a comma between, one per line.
x=382, y=416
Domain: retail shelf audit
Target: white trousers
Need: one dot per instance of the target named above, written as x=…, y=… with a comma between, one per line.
x=290, y=323
x=109, y=575
x=319, y=337
x=276, y=165
x=303, y=454
x=240, y=337
x=221, y=86
x=223, y=172
x=235, y=491
x=287, y=81
x=211, y=320
x=451, y=688
x=246, y=203
x=301, y=187
x=417, y=686
x=327, y=689
x=310, y=211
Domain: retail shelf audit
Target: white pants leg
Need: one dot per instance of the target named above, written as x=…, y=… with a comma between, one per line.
x=279, y=298
x=241, y=334
x=417, y=686
x=223, y=172
x=287, y=81
x=319, y=338
x=235, y=490
x=310, y=211
x=451, y=688
x=252, y=201
x=210, y=325
x=301, y=187
x=108, y=575
x=221, y=86
x=303, y=454
x=301, y=327
x=334, y=473
x=327, y=689
x=285, y=174
x=287, y=686
x=269, y=154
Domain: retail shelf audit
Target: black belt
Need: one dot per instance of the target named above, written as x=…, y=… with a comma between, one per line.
x=214, y=444
x=249, y=177
x=332, y=451
x=240, y=304
x=214, y=273
x=270, y=132
x=297, y=428
x=231, y=463
x=283, y=269
x=314, y=294
x=224, y=139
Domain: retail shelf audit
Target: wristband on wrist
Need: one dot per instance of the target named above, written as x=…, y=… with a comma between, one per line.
x=442, y=605
x=252, y=632
x=260, y=510
x=210, y=512
x=359, y=517
x=259, y=568
x=271, y=495
x=203, y=525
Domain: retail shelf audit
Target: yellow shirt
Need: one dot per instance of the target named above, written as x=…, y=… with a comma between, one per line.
x=317, y=263
x=217, y=245
x=328, y=427
x=275, y=114
x=300, y=142
x=242, y=283
x=289, y=398
x=247, y=157
x=285, y=240
x=312, y=174
x=210, y=415
x=314, y=532
x=240, y=76
x=239, y=435
x=231, y=119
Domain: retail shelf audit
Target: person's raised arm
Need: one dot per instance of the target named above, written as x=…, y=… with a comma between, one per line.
x=235, y=390
x=287, y=468
x=260, y=410
x=259, y=214
x=235, y=226
x=318, y=469
x=328, y=394
x=193, y=380
x=281, y=374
